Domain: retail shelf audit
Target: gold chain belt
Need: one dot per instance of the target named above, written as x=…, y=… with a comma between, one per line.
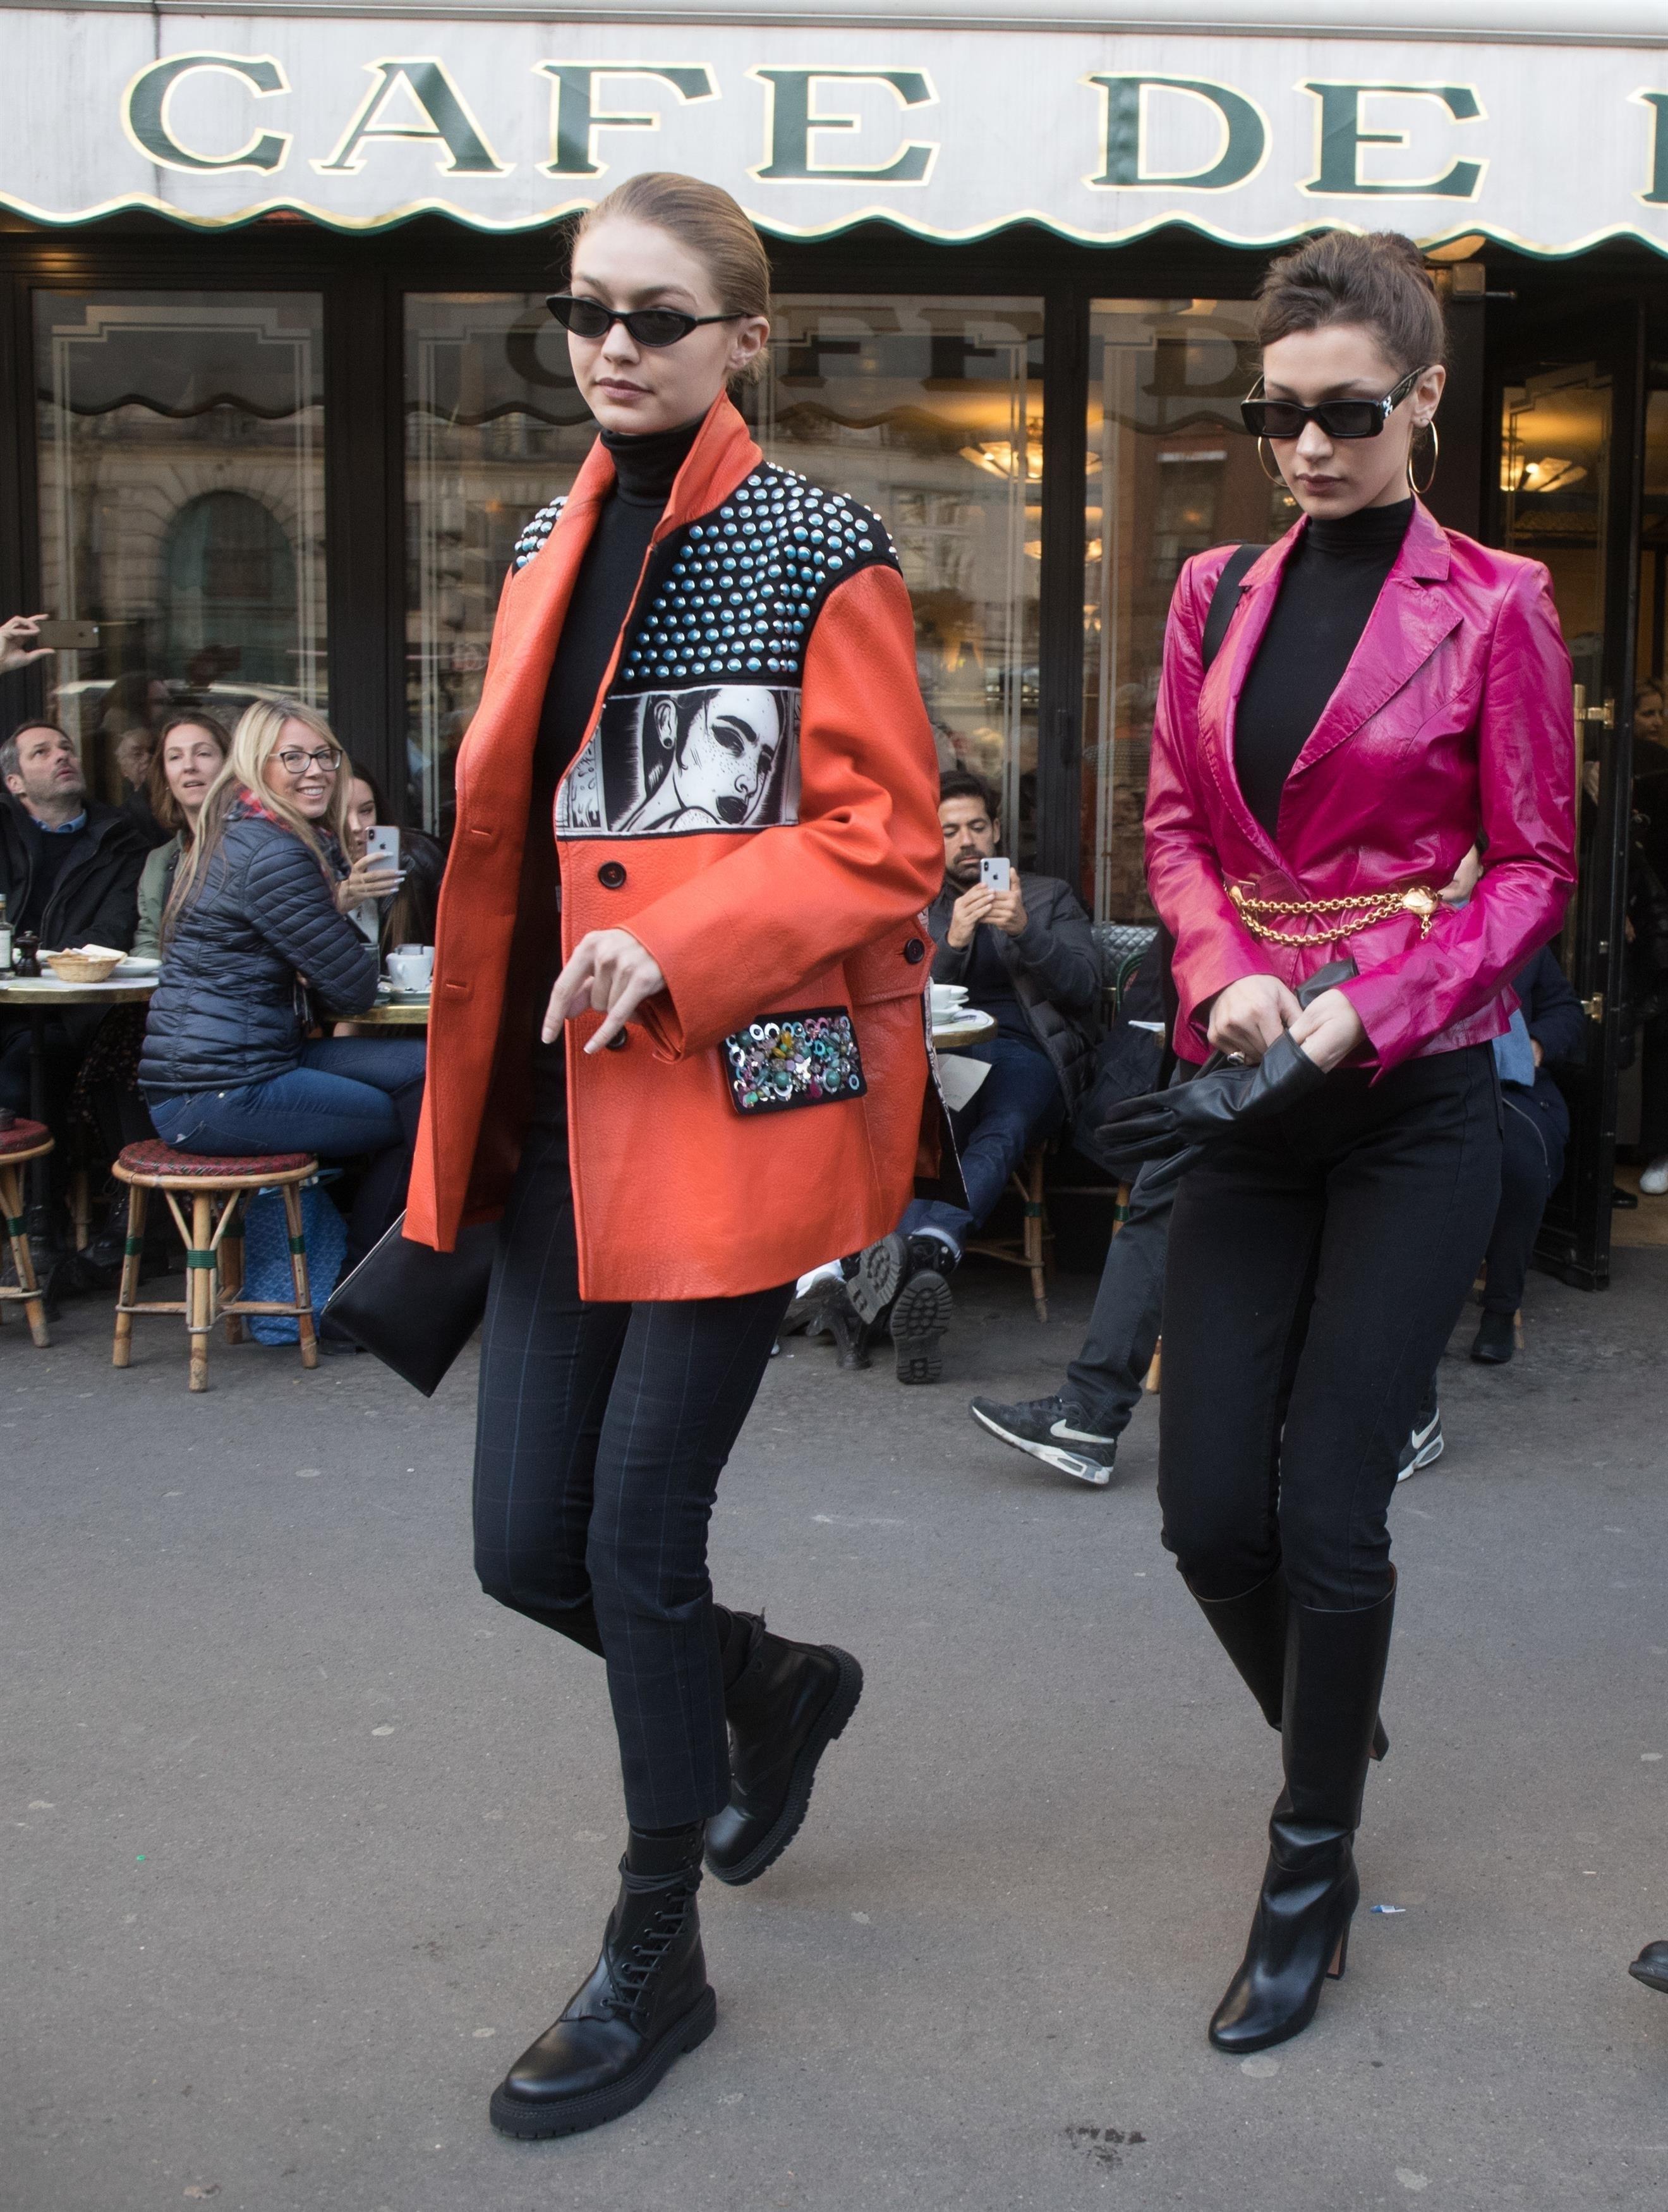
x=1377, y=906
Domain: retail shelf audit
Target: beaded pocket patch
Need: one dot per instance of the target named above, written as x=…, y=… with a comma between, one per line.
x=785, y=1061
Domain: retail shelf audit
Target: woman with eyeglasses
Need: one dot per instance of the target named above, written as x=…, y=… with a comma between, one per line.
x=1385, y=693
x=678, y=1049
x=257, y=944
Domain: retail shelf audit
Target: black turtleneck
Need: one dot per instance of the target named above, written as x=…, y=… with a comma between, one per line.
x=645, y=469
x=1330, y=583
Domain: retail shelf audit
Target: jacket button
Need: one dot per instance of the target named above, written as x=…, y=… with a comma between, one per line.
x=610, y=875
x=617, y=1043
x=914, y=952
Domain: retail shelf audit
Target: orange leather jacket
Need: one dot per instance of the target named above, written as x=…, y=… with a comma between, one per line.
x=757, y=803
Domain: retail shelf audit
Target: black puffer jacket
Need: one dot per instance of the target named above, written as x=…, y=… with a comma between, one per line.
x=230, y=1008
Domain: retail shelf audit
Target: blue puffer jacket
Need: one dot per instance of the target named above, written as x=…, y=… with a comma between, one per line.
x=229, y=1007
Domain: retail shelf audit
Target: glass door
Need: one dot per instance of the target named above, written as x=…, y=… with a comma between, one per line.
x=1571, y=414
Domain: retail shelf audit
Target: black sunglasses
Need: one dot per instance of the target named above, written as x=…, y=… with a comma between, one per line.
x=1341, y=419
x=647, y=326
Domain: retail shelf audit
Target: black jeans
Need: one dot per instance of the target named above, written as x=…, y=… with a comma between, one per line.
x=1106, y=1376
x=1317, y=1268
x=602, y=1431
x=1531, y=1162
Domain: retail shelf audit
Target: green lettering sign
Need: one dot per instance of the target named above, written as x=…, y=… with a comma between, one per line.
x=1245, y=136
x=1658, y=104
x=1342, y=138
x=448, y=121
x=792, y=120
x=575, y=122
x=145, y=112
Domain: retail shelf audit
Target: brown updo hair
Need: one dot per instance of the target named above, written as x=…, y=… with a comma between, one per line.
x=1379, y=282
x=704, y=218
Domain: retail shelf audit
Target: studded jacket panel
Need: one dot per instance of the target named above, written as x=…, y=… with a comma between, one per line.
x=756, y=804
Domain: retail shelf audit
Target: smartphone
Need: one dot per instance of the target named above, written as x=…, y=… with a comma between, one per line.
x=383, y=843
x=996, y=874
x=67, y=636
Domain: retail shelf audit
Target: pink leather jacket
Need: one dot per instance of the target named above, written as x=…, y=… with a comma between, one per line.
x=1453, y=721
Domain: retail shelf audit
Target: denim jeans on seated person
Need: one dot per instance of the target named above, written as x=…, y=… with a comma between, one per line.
x=346, y=1096
x=1018, y=1104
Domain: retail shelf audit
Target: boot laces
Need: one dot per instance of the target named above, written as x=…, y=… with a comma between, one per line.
x=633, y=1970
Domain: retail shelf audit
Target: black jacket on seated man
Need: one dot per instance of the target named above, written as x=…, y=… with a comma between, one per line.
x=76, y=887
x=1044, y=984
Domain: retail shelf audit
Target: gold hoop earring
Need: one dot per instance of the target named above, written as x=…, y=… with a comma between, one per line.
x=1435, y=456
x=1272, y=474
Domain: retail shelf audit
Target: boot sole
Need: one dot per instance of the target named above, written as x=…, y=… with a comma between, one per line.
x=920, y=1315
x=831, y=1724
x=532, y=2122
x=880, y=1270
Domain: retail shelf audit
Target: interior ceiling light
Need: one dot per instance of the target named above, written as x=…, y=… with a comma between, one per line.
x=1549, y=474
x=996, y=457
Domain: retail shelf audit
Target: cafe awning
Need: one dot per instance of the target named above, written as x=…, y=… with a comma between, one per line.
x=1528, y=121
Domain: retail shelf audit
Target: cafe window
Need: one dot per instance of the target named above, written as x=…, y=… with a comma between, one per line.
x=929, y=410
x=494, y=429
x=1171, y=473
x=182, y=507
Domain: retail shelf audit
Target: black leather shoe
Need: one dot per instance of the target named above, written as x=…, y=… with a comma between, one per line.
x=1335, y=1667
x=1496, y=1340
x=646, y=2003
x=785, y=1709
x=1651, y=1967
x=1252, y=1629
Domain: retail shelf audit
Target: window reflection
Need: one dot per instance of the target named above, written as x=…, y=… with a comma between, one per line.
x=181, y=473
x=929, y=410
x=1171, y=473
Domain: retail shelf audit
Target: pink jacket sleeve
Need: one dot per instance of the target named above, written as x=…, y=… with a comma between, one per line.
x=1183, y=875
x=1526, y=806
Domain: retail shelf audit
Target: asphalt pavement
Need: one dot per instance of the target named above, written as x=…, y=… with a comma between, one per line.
x=308, y=1838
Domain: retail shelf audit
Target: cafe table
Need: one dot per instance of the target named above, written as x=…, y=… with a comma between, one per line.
x=970, y=1027
x=41, y=996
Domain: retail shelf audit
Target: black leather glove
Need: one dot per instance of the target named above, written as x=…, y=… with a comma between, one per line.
x=1173, y=1128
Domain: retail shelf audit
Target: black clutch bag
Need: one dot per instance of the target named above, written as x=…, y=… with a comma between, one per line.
x=414, y=1307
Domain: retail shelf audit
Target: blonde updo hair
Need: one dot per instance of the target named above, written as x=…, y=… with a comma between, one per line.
x=704, y=218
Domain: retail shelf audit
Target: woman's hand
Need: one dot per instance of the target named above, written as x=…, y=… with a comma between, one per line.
x=1248, y=1016
x=375, y=876
x=1328, y=1030
x=1467, y=876
x=610, y=972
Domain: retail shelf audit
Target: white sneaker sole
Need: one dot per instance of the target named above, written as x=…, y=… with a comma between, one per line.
x=1065, y=1462
x=1428, y=1457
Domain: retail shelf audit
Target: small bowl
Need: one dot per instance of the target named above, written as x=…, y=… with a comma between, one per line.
x=82, y=966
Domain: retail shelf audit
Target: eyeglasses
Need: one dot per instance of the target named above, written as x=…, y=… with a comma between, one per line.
x=646, y=326
x=327, y=759
x=1341, y=419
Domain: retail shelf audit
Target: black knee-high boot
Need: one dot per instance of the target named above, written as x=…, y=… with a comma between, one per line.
x=785, y=1703
x=1335, y=1664
x=644, y=2002
x=1251, y=1630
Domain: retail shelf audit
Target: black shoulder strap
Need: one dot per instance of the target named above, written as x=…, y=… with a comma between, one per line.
x=1225, y=599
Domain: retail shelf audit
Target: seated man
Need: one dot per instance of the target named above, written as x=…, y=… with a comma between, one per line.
x=69, y=875
x=1026, y=956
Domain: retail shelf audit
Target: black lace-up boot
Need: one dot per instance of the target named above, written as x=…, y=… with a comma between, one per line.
x=1300, y=1937
x=785, y=1706
x=646, y=2003
x=1251, y=1630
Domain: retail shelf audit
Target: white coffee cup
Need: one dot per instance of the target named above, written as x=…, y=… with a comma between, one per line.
x=949, y=998
x=412, y=968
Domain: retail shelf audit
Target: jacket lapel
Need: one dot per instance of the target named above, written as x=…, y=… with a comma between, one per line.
x=1413, y=614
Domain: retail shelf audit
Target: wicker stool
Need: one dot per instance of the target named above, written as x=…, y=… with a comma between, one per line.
x=23, y=1142
x=213, y=1241
x=1029, y=1250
